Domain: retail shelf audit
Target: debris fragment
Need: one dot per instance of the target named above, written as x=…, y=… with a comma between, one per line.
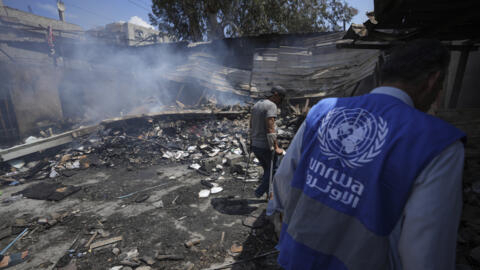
x=236, y=248
x=206, y=183
x=148, y=260
x=158, y=204
x=53, y=173
x=195, y=166
x=17, y=163
x=91, y=240
x=106, y=242
x=204, y=193
x=189, y=265
x=13, y=241
x=214, y=190
x=141, y=198
x=49, y=191
x=192, y=242
x=143, y=268
x=169, y=257
x=103, y=233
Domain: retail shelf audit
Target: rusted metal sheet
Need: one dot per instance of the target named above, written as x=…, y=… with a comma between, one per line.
x=314, y=70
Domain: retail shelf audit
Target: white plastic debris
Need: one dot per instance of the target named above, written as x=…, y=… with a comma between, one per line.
x=196, y=156
x=214, y=190
x=192, y=148
x=116, y=267
x=219, y=167
x=179, y=154
x=17, y=163
x=214, y=152
x=237, y=151
x=167, y=155
x=53, y=173
x=76, y=164
x=203, y=146
x=158, y=204
x=133, y=253
x=31, y=139
x=195, y=166
x=204, y=193
x=224, y=161
x=256, y=160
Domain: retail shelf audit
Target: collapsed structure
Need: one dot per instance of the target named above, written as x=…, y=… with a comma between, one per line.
x=126, y=130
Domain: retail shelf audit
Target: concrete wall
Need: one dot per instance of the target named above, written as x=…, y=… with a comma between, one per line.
x=34, y=94
x=28, y=71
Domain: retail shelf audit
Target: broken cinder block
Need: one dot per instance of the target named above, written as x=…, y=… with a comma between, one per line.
x=233, y=159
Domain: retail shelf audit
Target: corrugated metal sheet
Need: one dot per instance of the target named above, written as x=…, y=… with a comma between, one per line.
x=311, y=67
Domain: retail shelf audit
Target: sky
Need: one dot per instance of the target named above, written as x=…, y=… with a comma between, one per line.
x=92, y=13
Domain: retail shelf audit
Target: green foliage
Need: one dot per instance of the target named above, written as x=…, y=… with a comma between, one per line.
x=197, y=20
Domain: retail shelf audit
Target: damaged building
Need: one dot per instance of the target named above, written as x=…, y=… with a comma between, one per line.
x=122, y=150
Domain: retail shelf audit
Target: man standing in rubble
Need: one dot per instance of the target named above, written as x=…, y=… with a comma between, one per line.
x=263, y=134
x=373, y=182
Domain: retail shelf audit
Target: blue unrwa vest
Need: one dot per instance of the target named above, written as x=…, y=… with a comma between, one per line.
x=360, y=158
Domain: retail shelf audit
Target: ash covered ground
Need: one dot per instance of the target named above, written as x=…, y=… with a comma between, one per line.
x=138, y=185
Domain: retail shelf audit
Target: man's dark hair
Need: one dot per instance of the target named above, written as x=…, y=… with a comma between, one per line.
x=414, y=61
x=279, y=90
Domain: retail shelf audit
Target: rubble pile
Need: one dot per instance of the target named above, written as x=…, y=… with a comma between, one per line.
x=206, y=145
x=138, y=147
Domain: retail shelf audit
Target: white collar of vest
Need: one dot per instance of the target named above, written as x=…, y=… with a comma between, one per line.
x=394, y=92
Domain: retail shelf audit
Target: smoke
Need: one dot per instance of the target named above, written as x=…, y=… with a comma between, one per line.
x=104, y=80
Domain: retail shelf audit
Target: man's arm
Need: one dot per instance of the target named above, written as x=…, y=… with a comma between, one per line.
x=432, y=214
x=270, y=123
x=284, y=175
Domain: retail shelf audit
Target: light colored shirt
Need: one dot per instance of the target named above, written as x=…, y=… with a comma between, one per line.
x=426, y=234
x=262, y=110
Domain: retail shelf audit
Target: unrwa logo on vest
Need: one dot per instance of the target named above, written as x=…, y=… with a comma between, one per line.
x=353, y=136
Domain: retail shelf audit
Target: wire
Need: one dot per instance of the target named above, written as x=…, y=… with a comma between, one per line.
x=138, y=5
x=91, y=12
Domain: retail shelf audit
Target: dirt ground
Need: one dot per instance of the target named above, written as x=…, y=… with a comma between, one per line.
x=172, y=215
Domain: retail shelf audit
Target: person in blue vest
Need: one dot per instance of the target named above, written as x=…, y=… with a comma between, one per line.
x=373, y=182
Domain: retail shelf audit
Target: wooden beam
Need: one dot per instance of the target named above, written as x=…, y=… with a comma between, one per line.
x=43, y=144
x=457, y=83
x=106, y=242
